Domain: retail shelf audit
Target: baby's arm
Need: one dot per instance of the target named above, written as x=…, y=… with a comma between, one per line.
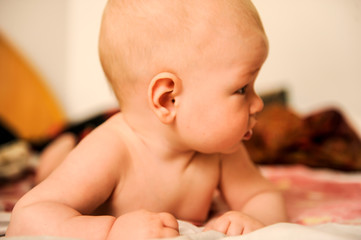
x=61, y=205
x=52, y=219
x=254, y=201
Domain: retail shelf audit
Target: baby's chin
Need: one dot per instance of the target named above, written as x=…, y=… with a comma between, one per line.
x=248, y=135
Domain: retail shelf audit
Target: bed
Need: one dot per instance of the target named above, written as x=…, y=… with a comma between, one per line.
x=315, y=160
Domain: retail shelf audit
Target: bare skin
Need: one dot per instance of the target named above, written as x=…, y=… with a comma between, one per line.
x=191, y=183
x=175, y=143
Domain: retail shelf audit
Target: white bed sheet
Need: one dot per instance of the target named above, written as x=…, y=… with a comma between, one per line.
x=279, y=231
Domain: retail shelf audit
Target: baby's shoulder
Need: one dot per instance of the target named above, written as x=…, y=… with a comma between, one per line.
x=107, y=141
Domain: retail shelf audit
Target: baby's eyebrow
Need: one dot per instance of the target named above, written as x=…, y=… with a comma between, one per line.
x=251, y=72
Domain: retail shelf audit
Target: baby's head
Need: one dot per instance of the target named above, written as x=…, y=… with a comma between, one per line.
x=191, y=62
x=141, y=38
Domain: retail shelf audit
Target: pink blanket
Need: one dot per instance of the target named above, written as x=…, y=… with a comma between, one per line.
x=315, y=196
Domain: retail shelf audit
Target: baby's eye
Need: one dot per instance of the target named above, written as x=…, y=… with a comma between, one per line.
x=242, y=91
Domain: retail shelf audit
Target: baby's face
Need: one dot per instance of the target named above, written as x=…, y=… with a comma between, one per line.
x=219, y=100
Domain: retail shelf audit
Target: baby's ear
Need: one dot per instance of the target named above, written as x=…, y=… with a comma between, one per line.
x=162, y=93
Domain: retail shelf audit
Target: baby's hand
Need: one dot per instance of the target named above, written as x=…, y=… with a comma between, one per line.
x=143, y=224
x=233, y=223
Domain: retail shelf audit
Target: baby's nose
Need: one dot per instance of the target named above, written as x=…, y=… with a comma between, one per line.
x=257, y=104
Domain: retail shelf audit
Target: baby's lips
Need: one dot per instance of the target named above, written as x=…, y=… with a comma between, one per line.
x=248, y=135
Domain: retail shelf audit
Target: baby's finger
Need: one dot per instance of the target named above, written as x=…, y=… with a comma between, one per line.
x=169, y=221
x=220, y=225
x=169, y=232
x=209, y=225
x=235, y=229
x=250, y=228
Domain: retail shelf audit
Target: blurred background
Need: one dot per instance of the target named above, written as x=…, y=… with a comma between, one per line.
x=315, y=52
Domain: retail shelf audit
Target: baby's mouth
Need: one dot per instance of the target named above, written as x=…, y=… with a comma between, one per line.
x=248, y=135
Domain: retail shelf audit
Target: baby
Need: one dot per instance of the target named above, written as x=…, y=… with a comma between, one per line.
x=183, y=72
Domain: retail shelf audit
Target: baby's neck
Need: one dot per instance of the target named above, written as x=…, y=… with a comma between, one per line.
x=158, y=139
